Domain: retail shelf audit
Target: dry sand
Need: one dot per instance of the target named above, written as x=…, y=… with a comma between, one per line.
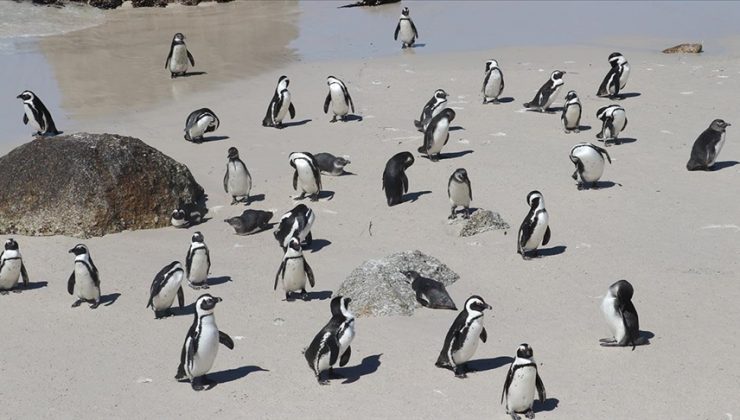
x=672, y=233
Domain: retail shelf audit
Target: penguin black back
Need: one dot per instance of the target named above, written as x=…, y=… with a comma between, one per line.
x=395, y=182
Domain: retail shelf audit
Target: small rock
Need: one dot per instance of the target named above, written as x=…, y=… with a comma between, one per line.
x=684, y=48
x=482, y=221
x=278, y=321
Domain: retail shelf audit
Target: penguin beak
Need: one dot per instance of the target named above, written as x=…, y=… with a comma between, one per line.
x=19, y=97
x=489, y=307
x=218, y=299
x=71, y=251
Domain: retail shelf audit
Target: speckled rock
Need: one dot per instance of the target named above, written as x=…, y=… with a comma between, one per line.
x=105, y=4
x=149, y=3
x=481, y=221
x=684, y=48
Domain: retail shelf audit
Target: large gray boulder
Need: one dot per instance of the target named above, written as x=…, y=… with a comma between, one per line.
x=377, y=287
x=86, y=185
x=482, y=221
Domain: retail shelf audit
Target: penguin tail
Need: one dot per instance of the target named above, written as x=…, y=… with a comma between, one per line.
x=421, y=149
x=417, y=124
x=528, y=104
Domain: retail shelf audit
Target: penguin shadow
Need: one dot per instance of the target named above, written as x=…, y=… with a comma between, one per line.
x=627, y=95
x=267, y=226
x=185, y=310
x=584, y=127
x=722, y=165
x=552, y=251
x=412, y=197
x=506, y=100
x=352, y=117
x=33, y=285
x=255, y=198
x=549, y=405
x=231, y=375
x=326, y=194
x=554, y=110
x=214, y=281
x=109, y=299
x=452, y=155
x=321, y=295
x=456, y=128
x=347, y=173
x=482, y=365
x=318, y=244
x=296, y=123
x=600, y=185
x=192, y=73
x=214, y=138
x=368, y=366
x=417, y=46
x=619, y=141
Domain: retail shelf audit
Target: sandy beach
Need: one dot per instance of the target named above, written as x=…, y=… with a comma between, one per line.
x=672, y=233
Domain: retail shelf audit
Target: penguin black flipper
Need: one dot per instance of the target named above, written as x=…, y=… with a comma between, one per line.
x=484, y=335
x=281, y=269
x=192, y=60
x=525, y=231
x=604, y=87
x=181, y=375
x=546, y=239
x=333, y=344
x=309, y=273
x=507, y=383
x=24, y=274
x=603, y=151
x=540, y=387
x=224, y=339
x=404, y=182
x=188, y=262
x=452, y=341
x=345, y=357
x=413, y=28
x=349, y=99
x=25, y=119
x=169, y=56
x=291, y=110
x=180, y=297
x=295, y=180
x=485, y=80
x=226, y=179
x=398, y=29
x=326, y=102
x=631, y=324
x=421, y=300
x=71, y=283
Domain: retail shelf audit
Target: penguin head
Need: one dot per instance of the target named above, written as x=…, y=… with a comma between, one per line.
x=440, y=94
x=205, y=304
x=405, y=11
x=719, y=125
x=26, y=96
x=283, y=83
x=79, y=249
x=178, y=214
x=295, y=244
x=178, y=38
x=622, y=290
x=341, y=162
x=616, y=58
x=571, y=95
x=476, y=303
x=557, y=75
x=197, y=237
x=524, y=351
x=172, y=267
x=411, y=275
x=340, y=307
x=448, y=113
x=535, y=199
x=332, y=79
x=461, y=175
x=11, y=245
x=491, y=64
x=233, y=153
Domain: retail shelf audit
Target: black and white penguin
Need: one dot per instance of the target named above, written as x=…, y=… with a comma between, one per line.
x=199, y=122
x=535, y=228
x=306, y=175
x=295, y=223
x=395, y=182
x=280, y=105
x=331, y=165
x=178, y=57
x=462, y=338
x=36, y=113
x=167, y=285
x=571, y=116
x=707, y=146
x=293, y=271
x=459, y=192
x=433, y=107
x=437, y=134
x=429, y=293
x=614, y=121
x=12, y=268
x=187, y=214
x=85, y=280
x=406, y=29
x=546, y=95
x=332, y=343
x=621, y=316
x=201, y=345
x=198, y=262
x=616, y=78
x=589, y=161
x=521, y=383
x=250, y=221
x=237, y=179
x=493, y=83
x=340, y=100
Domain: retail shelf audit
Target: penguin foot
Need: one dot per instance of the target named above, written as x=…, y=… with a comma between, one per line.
x=304, y=295
x=514, y=416
x=333, y=120
x=460, y=372
x=289, y=297
x=323, y=382
x=576, y=130
x=451, y=217
x=172, y=75
x=197, y=384
x=3, y=292
x=495, y=101
x=609, y=340
x=600, y=136
x=95, y=305
x=529, y=414
x=334, y=375
x=16, y=290
x=314, y=197
x=567, y=131
x=198, y=140
x=234, y=200
x=77, y=303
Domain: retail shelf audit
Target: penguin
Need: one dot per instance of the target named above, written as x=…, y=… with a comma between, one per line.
x=293, y=271
x=571, y=116
x=237, y=179
x=433, y=107
x=199, y=122
x=201, y=345
x=546, y=95
x=306, y=175
x=707, y=146
x=250, y=221
x=280, y=105
x=332, y=343
x=534, y=229
x=178, y=57
x=84, y=282
x=331, y=165
x=198, y=262
x=395, y=182
x=37, y=114
x=186, y=214
x=621, y=316
x=12, y=268
x=437, y=134
x=462, y=338
x=616, y=78
x=614, y=121
x=339, y=98
x=589, y=161
x=406, y=29
x=493, y=83
x=520, y=385
x=166, y=285
x=295, y=223
x=459, y=192
x=429, y=293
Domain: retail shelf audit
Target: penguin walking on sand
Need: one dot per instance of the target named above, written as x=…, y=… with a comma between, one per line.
x=84, y=282
x=395, y=182
x=332, y=343
x=614, y=121
x=459, y=192
x=250, y=221
x=201, y=345
x=293, y=271
x=433, y=107
x=521, y=383
x=571, y=116
x=331, y=165
x=198, y=262
x=295, y=223
x=198, y=123
x=429, y=293
x=621, y=316
x=338, y=96
x=406, y=29
x=178, y=57
x=12, y=268
x=37, y=114
x=589, y=161
x=280, y=105
x=437, y=134
x=493, y=83
x=535, y=228
x=707, y=146
x=546, y=95
x=306, y=175
x=167, y=285
x=462, y=338
x=237, y=180
x=616, y=78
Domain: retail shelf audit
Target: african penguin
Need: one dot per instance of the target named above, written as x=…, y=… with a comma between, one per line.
x=280, y=105
x=178, y=57
x=614, y=121
x=339, y=97
x=197, y=262
x=460, y=192
x=250, y=221
x=707, y=146
x=429, y=293
x=406, y=29
x=167, y=285
x=493, y=83
x=462, y=338
x=37, y=114
x=332, y=343
x=521, y=383
x=546, y=95
x=437, y=134
x=621, y=316
x=187, y=214
x=293, y=271
x=85, y=280
x=306, y=175
x=395, y=182
x=433, y=107
x=201, y=345
x=589, y=161
x=12, y=268
x=534, y=229
x=295, y=223
x=199, y=122
x=571, y=116
x=616, y=78
x=331, y=165
x=237, y=179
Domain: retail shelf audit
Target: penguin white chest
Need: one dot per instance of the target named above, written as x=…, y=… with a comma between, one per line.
x=438, y=107
x=624, y=76
x=240, y=181
x=84, y=285
x=203, y=359
x=522, y=390
x=406, y=34
x=592, y=162
x=283, y=107
x=717, y=148
x=346, y=335
x=538, y=233
x=322, y=363
x=294, y=279
x=459, y=194
x=339, y=105
x=166, y=296
x=200, y=126
x=613, y=319
x=31, y=118
x=619, y=120
x=179, y=60
x=553, y=94
x=439, y=136
x=306, y=179
x=470, y=344
x=572, y=115
x=10, y=273
x=199, y=267
x=493, y=87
